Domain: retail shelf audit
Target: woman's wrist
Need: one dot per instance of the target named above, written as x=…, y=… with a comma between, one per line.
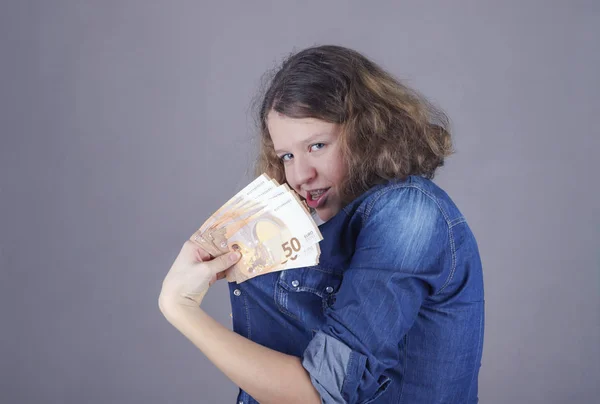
x=176, y=306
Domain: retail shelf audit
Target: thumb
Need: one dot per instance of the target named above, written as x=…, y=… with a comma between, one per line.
x=223, y=262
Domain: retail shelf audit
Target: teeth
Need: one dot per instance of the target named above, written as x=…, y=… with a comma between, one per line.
x=316, y=194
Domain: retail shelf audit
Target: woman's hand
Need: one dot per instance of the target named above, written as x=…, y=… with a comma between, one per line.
x=192, y=273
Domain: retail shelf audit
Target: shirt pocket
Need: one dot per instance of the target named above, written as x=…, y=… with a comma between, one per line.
x=305, y=293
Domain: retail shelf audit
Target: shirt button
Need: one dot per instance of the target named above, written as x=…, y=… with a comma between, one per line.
x=237, y=292
x=328, y=289
x=295, y=284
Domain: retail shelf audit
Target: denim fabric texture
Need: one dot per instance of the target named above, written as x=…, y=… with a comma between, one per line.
x=393, y=313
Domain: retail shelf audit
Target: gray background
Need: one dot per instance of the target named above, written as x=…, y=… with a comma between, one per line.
x=124, y=124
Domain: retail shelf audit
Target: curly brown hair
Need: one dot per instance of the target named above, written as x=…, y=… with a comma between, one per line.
x=389, y=131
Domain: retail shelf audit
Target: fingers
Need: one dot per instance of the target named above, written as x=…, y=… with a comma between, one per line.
x=195, y=252
x=223, y=262
x=217, y=277
x=202, y=255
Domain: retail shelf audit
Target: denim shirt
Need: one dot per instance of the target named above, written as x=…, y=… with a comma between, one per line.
x=393, y=312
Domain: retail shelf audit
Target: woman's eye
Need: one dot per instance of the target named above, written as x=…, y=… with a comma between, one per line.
x=286, y=157
x=317, y=146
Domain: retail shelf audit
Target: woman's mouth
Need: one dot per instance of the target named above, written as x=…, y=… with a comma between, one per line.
x=316, y=198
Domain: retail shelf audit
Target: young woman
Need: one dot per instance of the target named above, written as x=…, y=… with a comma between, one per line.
x=394, y=311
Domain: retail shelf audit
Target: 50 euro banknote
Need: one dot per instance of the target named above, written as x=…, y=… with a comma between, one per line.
x=268, y=224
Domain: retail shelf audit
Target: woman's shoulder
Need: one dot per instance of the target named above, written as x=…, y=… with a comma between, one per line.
x=414, y=195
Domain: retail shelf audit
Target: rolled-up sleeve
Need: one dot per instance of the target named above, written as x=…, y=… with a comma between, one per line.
x=326, y=360
x=401, y=256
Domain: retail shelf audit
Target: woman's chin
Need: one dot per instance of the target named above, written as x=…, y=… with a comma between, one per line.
x=326, y=213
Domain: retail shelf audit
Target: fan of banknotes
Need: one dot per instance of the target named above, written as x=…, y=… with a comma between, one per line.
x=268, y=224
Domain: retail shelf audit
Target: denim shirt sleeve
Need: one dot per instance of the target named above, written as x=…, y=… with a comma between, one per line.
x=401, y=256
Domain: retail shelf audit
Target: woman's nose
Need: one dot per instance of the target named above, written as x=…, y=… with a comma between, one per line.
x=304, y=172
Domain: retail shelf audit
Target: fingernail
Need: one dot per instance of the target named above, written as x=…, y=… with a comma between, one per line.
x=234, y=256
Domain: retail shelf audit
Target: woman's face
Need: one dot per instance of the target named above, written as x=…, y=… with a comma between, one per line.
x=310, y=152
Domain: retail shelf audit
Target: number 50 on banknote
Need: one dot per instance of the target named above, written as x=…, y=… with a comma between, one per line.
x=268, y=224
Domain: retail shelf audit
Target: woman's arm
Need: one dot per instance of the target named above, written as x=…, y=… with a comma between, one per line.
x=267, y=375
